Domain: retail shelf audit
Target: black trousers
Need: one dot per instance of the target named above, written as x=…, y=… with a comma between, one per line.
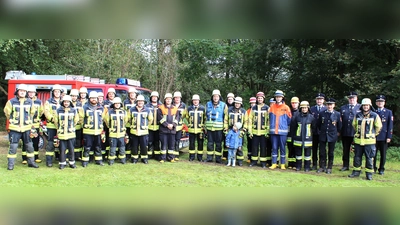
x=64, y=145
x=141, y=141
x=369, y=151
x=381, y=147
x=322, y=154
x=249, y=147
x=259, y=146
x=346, y=143
x=192, y=145
x=315, y=144
x=91, y=143
x=214, y=139
x=167, y=146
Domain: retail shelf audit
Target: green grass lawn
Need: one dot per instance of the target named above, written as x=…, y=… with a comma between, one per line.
x=182, y=174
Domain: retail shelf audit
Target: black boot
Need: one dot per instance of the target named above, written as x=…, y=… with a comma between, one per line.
x=49, y=161
x=209, y=158
x=253, y=163
x=307, y=164
x=111, y=162
x=73, y=166
x=298, y=164
x=369, y=175
x=134, y=161
x=85, y=163
x=264, y=165
x=191, y=157
x=31, y=162
x=218, y=159
x=11, y=162
x=145, y=161
x=100, y=162
x=62, y=166
x=355, y=173
x=123, y=160
x=240, y=162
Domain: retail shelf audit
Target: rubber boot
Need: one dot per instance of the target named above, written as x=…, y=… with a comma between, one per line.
x=240, y=162
x=111, y=162
x=273, y=166
x=31, y=162
x=264, y=165
x=355, y=173
x=253, y=163
x=229, y=162
x=218, y=159
x=11, y=163
x=233, y=162
x=37, y=157
x=49, y=161
x=298, y=164
x=209, y=158
x=307, y=164
x=199, y=157
x=145, y=161
x=123, y=160
x=24, y=159
x=62, y=166
x=283, y=167
x=369, y=175
x=100, y=162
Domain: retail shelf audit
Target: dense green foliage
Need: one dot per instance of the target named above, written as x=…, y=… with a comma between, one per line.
x=299, y=67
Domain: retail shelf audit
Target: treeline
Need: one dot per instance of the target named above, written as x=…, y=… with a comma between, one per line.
x=299, y=67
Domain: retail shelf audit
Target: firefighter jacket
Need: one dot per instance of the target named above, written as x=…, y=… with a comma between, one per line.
x=294, y=112
x=78, y=107
x=154, y=125
x=50, y=108
x=386, y=116
x=91, y=117
x=65, y=122
x=19, y=113
x=246, y=120
x=37, y=103
x=167, y=115
x=366, y=127
x=315, y=112
x=196, y=117
x=258, y=120
x=116, y=120
x=279, y=119
x=107, y=103
x=128, y=104
x=182, y=110
x=215, y=116
x=83, y=101
x=233, y=139
x=301, y=127
x=140, y=120
x=329, y=124
x=235, y=115
x=347, y=119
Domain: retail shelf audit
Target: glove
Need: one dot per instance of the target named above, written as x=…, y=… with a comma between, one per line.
x=250, y=136
x=352, y=147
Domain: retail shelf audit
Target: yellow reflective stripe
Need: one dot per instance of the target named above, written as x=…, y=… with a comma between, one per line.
x=170, y=151
x=176, y=153
x=128, y=152
x=77, y=149
x=12, y=156
x=135, y=156
x=255, y=158
x=86, y=159
x=369, y=170
x=192, y=151
x=98, y=158
x=143, y=156
x=357, y=168
x=50, y=153
x=299, y=157
x=298, y=132
x=23, y=153
x=218, y=153
x=112, y=157
x=163, y=152
x=157, y=152
x=297, y=143
x=121, y=156
x=308, y=130
x=263, y=159
x=30, y=155
x=242, y=157
x=200, y=152
x=307, y=158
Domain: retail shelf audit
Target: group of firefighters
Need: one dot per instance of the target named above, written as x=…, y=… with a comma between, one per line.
x=95, y=127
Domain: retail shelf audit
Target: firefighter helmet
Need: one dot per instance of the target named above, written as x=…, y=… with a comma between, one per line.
x=83, y=90
x=304, y=104
x=216, y=92
x=177, y=94
x=168, y=95
x=100, y=94
x=279, y=93
x=155, y=93
x=238, y=100
x=230, y=95
x=31, y=88
x=93, y=94
x=252, y=100
x=66, y=98
x=57, y=87
x=63, y=90
x=295, y=99
x=260, y=94
x=366, y=101
x=74, y=92
x=23, y=87
x=132, y=90
x=196, y=97
x=140, y=98
x=111, y=90
x=117, y=100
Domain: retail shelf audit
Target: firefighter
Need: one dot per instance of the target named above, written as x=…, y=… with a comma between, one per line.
x=246, y=124
x=385, y=136
x=367, y=125
x=50, y=107
x=65, y=120
x=154, y=135
x=78, y=128
x=348, y=112
x=36, y=123
x=329, y=124
x=196, y=117
x=105, y=146
x=279, y=123
x=258, y=130
x=301, y=127
x=168, y=117
x=63, y=92
x=116, y=119
x=182, y=110
x=111, y=93
x=100, y=98
x=215, y=114
x=294, y=102
x=139, y=118
x=83, y=95
x=91, y=116
x=315, y=110
x=19, y=112
x=129, y=103
x=236, y=114
x=230, y=98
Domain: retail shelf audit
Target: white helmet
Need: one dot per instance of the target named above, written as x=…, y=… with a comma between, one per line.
x=168, y=95
x=93, y=94
x=131, y=89
x=279, y=93
x=83, y=90
x=230, y=95
x=238, y=100
x=111, y=90
x=74, y=92
x=196, y=97
x=216, y=92
x=100, y=94
x=140, y=98
x=366, y=101
x=31, y=88
x=177, y=94
x=57, y=87
x=155, y=93
x=117, y=100
x=67, y=98
x=23, y=87
x=64, y=90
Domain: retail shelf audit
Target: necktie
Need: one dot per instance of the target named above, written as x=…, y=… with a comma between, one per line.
x=351, y=107
x=379, y=110
x=318, y=108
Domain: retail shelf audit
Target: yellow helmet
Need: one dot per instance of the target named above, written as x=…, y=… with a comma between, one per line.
x=295, y=99
x=304, y=104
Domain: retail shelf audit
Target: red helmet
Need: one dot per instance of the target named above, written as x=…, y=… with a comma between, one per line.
x=260, y=94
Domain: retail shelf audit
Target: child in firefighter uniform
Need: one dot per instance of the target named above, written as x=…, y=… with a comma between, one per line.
x=116, y=119
x=154, y=135
x=236, y=114
x=168, y=118
x=50, y=108
x=258, y=130
x=19, y=112
x=78, y=128
x=139, y=118
x=234, y=141
x=182, y=110
x=196, y=117
x=129, y=102
x=301, y=127
x=367, y=125
x=65, y=119
x=91, y=116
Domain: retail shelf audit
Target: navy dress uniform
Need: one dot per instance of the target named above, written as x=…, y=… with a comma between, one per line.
x=347, y=113
x=385, y=135
x=315, y=110
x=329, y=124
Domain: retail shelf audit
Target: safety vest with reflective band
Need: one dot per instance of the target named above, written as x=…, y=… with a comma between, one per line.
x=196, y=117
x=246, y=119
x=235, y=115
x=140, y=120
x=50, y=108
x=367, y=127
x=128, y=104
x=182, y=114
x=258, y=120
x=154, y=126
x=301, y=129
x=279, y=119
x=19, y=112
x=91, y=117
x=37, y=103
x=116, y=120
x=65, y=122
x=78, y=106
x=215, y=116
x=167, y=116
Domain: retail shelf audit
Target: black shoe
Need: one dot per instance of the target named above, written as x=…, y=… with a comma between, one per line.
x=209, y=160
x=191, y=160
x=298, y=169
x=33, y=165
x=145, y=161
x=314, y=167
x=320, y=170
x=240, y=164
x=369, y=176
x=61, y=167
x=134, y=161
x=10, y=167
x=72, y=166
x=49, y=164
x=85, y=163
x=329, y=171
x=253, y=164
x=354, y=174
x=344, y=168
x=100, y=163
x=111, y=162
x=381, y=172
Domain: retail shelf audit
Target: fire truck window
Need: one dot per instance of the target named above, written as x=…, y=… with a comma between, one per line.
x=122, y=94
x=146, y=95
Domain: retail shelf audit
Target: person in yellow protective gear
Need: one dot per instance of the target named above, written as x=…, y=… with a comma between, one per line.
x=129, y=102
x=246, y=124
x=182, y=110
x=78, y=128
x=83, y=95
x=294, y=102
x=196, y=117
x=154, y=135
